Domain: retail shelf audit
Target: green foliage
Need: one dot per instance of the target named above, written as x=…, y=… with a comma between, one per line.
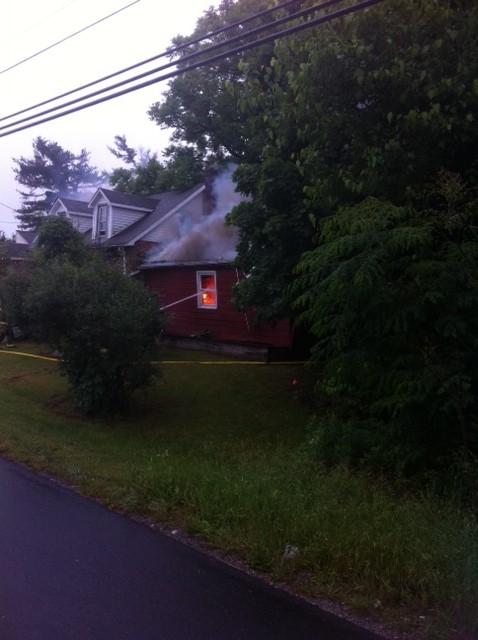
x=3, y=252
x=13, y=289
x=271, y=237
x=58, y=240
x=202, y=106
x=52, y=171
x=391, y=297
x=234, y=475
x=375, y=104
x=103, y=323
x=144, y=174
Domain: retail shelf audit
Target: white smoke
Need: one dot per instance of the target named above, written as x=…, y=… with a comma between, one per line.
x=210, y=238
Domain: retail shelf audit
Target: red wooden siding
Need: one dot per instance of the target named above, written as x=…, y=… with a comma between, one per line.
x=224, y=324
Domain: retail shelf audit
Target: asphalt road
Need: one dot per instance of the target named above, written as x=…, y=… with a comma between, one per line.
x=70, y=569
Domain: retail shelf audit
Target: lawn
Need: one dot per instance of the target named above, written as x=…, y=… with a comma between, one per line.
x=217, y=450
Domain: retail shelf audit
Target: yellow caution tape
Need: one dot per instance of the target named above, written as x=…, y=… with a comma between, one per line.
x=168, y=362
x=229, y=362
x=29, y=355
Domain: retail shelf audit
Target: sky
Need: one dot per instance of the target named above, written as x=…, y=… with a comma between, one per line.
x=141, y=31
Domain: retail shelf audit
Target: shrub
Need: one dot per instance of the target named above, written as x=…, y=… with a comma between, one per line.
x=58, y=239
x=103, y=323
x=13, y=289
x=391, y=296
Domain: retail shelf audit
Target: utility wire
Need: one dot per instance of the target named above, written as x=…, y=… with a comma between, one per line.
x=166, y=52
x=72, y=35
x=192, y=56
x=48, y=15
x=7, y=206
x=208, y=61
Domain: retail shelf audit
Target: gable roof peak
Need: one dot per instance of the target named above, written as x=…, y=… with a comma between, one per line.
x=122, y=199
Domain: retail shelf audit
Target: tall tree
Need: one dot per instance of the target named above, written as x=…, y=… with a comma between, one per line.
x=375, y=104
x=144, y=173
x=391, y=296
x=202, y=106
x=50, y=172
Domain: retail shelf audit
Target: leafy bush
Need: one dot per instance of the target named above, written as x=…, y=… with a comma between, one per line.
x=103, y=323
x=391, y=296
x=57, y=238
x=13, y=289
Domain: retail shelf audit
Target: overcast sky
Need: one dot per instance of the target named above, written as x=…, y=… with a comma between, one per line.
x=138, y=32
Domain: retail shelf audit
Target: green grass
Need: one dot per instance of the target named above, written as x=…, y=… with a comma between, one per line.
x=216, y=450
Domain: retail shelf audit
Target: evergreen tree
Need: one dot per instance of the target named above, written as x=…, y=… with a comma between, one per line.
x=52, y=171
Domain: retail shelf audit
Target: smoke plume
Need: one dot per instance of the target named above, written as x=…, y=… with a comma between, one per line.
x=210, y=238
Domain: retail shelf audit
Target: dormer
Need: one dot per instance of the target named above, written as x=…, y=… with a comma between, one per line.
x=76, y=211
x=114, y=211
x=101, y=222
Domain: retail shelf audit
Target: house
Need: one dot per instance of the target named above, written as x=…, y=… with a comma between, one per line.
x=178, y=244
x=127, y=225
x=76, y=211
x=26, y=238
x=196, y=297
x=12, y=255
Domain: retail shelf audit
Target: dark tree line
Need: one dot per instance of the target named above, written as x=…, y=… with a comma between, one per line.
x=357, y=146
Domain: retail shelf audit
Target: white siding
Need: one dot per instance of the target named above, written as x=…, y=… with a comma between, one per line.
x=123, y=218
x=95, y=212
x=19, y=239
x=82, y=223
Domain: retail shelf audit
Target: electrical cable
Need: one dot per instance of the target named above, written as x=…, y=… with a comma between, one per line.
x=208, y=61
x=7, y=206
x=46, y=17
x=166, y=52
x=182, y=60
x=72, y=35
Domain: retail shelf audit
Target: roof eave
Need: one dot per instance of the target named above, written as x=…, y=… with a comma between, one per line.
x=167, y=215
x=183, y=263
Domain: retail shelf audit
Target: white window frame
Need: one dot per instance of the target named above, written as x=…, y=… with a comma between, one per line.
x=98, y=234
x=200, y=289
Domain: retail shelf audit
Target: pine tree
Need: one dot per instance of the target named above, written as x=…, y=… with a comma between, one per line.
x=52, y=171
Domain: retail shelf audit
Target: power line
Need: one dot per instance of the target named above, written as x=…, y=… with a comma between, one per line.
x=72, y=35
x=7, y=206
x=252, y=32
x=211, y=60
x=166, y=52
x=208, y=61
x=48, y=15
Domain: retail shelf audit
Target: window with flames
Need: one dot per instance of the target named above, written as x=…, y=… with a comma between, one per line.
x=207, y=289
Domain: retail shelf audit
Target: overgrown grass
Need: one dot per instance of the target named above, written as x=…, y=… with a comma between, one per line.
x=217, y=451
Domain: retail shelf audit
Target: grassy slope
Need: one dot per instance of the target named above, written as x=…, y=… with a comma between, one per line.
x=216, y=450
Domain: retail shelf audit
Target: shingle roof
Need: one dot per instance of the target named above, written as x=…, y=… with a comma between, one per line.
x=143, y=202
x=79, y=206
x=165, y=202
x=14, y=250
